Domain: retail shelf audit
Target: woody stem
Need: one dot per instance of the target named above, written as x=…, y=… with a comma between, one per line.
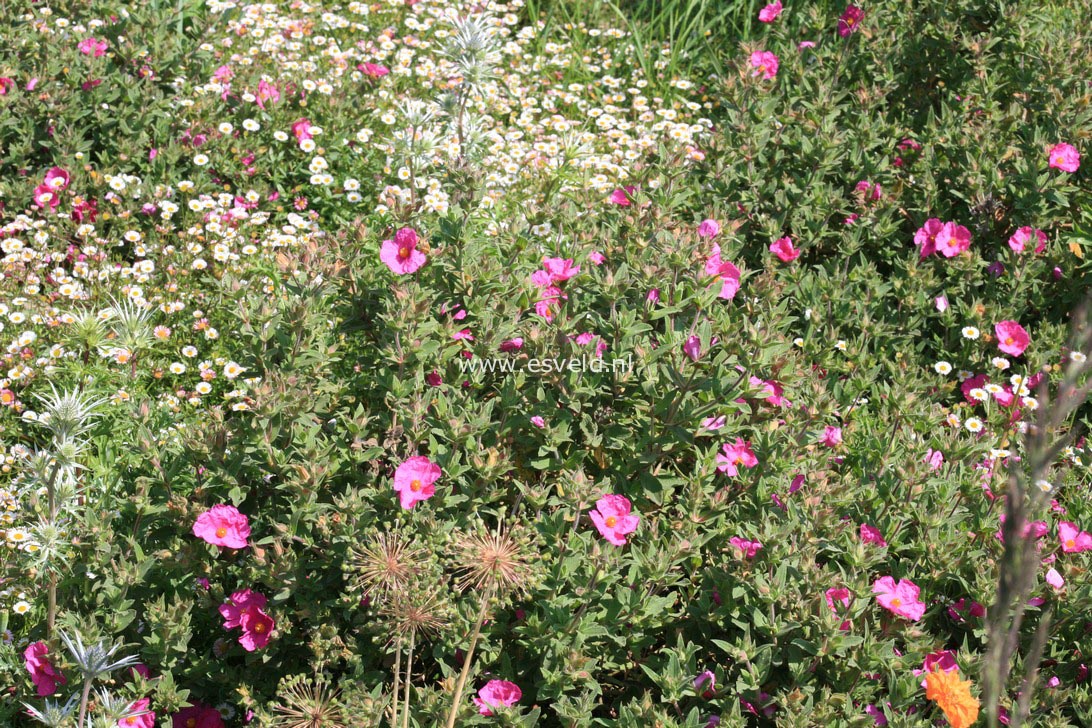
x=469, y=660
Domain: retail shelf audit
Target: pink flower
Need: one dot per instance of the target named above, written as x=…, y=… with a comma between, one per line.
x=302, y=130
x=709, y=228
x=850, y=20
x=769, y=13
x=56, y=178
x=705, y=684
x=953, y=239
x=622, y=197
x=266, y=92
x=747, y=548
x=728, y=273
x=901, y=599
x=6, y=84
x=197, y=716
x=714, y=423
x=783, y=249
x=1055, y=579
x=42, y=672
x=613, y=519
x=373, y=70
x=596, y=257
x=46, y=196
x=869, y=191
x=92, y=47
x=765, y=64
x=257, y=629
x=733, y=455
x=496, y=694
x=936, y=661
x=1011, y=337
x=941, y=303
x=692, y=347
x=413, y=480
x=512, y=344
x=872, y=535
x=559, y=269
x=538, y=421
x=237, y=604
x=141, y=717
x=1065, y=157
x=926, y=236
x=401, y=254
x=223, y=525
x=832, y=436
x=836, y=596
x=804, y=44
x=934, y=458
x=1020, y=239
x=1073, y=540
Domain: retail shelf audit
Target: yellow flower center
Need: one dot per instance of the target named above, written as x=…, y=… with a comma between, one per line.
x=415, y=485
x=896, y=602
x=259, y=627
x=403, y=253
x=850, y=21
x=611, y=520
x=1070, y=543
x=191, y=723
x=221, y=532
x=1009, y=340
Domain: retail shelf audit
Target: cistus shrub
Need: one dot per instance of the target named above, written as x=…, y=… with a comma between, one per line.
x=437, y=363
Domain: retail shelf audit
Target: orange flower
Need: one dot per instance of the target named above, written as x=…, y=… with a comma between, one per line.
x=953, y=696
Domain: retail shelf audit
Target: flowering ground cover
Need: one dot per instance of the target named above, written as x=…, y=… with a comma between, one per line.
x=437, y=363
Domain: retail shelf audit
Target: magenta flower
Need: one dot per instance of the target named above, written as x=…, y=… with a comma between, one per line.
x=559, y=269
x=747, y=548
x=832, y=436
x=1024, y=236
x=934, y=458
x=414, y=479
x=401, y=254
x=1011, y=337
x=56, y=178
x=497, y=694
x=140, y=716
x=953, y=239
x=940, y=660
x=733, y=455
x=709, y=228
x=512, y=344
x=1065, y=157
x=266, y=93
x=872, y=535
x=926, y=236
x=373, y=70
x=850, y=20
x=197, y=716
x=839, y=596
x=237, y=604
x=728, y=274
x=613, y=518
x=765, y=64
x=43, y=674
x=622, y=197
x=92, y=47
x=223, y=525
x=784, y=250
x=769, y=13
x=257, y=629
x=1073, y=540
x=901, y=598
x=705, y=684
x=692, y=347
x=302, y=130
x=1055, y=579
x=537, y=421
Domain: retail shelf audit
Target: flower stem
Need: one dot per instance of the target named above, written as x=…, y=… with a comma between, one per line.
x=397, y=677
x=83, y=700
x=456, y=701
x=409, y=678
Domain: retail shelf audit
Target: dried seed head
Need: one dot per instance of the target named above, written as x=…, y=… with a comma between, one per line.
x=496, y=561
x=387, y=564
x=309, y=705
